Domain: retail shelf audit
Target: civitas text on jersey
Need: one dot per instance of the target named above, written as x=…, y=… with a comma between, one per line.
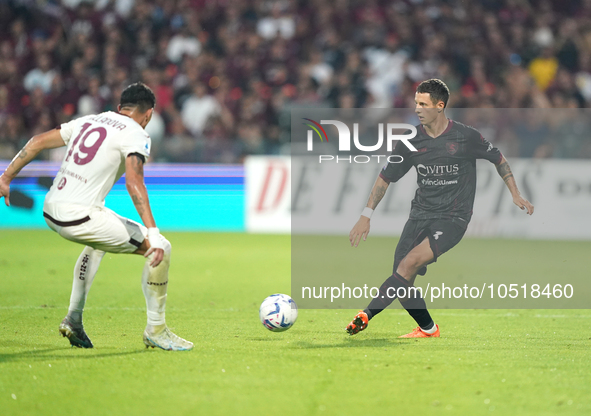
x=438, y=170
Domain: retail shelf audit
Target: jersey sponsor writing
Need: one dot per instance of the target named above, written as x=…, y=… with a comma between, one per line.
x=438, y=182
x=65, y=171
x=437, y=170
x=446, y=170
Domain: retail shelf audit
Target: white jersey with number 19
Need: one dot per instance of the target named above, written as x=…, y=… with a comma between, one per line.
x=97, y=146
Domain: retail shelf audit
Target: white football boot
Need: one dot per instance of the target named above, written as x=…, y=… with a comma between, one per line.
x=167, y=340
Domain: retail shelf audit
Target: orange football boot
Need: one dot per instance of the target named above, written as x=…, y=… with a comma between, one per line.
x=418, y=333
x=358, y=324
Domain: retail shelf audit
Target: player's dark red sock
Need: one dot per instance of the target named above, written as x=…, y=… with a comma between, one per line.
x=387, y=295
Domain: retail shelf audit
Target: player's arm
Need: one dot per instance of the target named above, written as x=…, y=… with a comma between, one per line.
x=134, y=182
x=361, y=229
x=48, y=140
x=504, y=171
x=480, y=148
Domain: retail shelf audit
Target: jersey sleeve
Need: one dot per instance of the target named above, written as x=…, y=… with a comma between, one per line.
x=67, y=130
x=480, y=148
x=395, y=168
x=138, y=142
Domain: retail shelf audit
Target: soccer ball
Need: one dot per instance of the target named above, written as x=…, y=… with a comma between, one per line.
x=278, y=312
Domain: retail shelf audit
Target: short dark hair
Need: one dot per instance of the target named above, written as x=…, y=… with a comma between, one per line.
x=138, y=95
x=436, y=88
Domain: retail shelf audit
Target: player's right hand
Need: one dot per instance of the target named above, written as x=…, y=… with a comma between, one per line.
x=156, y=246
x=5, y=190
x=158, y=256
x=360, y=230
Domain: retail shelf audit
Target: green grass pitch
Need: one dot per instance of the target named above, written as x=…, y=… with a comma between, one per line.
x=517, y=362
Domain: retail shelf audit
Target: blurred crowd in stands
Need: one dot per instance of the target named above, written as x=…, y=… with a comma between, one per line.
x=227, y=72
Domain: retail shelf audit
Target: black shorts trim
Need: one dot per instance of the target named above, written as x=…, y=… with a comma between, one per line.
x=66, y=223
x=135, y=242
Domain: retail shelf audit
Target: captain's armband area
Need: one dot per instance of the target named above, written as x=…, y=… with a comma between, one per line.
x=138, y=156
x=137, y=162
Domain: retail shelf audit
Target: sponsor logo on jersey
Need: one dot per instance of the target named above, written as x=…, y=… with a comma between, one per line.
x=68, y=172
x=437, y=234
x=438, y=170
x=438, y=182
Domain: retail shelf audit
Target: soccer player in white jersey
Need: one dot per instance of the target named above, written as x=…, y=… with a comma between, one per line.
x=100, y=148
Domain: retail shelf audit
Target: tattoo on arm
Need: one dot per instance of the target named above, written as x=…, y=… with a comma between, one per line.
x=138, y=201
x=505, y=171
x=377, y=195
x=137, y=164
x=16, y=170
x=21, y=155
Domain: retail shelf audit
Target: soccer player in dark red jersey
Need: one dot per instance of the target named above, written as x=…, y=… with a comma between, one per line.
x=442, y=206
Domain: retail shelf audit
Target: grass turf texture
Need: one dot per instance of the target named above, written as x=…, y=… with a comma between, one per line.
x=516, y=362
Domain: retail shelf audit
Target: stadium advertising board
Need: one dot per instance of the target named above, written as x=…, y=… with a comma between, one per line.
x=268, y=194
x=183, y=197
x=328, y=198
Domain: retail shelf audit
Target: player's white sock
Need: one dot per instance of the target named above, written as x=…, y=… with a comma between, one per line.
x=154, y=285
x=430, y=331
x=84, y=272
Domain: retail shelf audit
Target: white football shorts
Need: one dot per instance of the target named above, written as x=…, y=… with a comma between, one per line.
x=96, y=227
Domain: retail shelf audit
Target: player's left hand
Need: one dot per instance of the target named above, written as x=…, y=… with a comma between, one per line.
x=523, y=204
x=5, y=190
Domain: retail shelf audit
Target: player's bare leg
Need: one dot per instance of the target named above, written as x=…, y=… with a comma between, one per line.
x=154, y=285
x=418, y=257
x=84, y=272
